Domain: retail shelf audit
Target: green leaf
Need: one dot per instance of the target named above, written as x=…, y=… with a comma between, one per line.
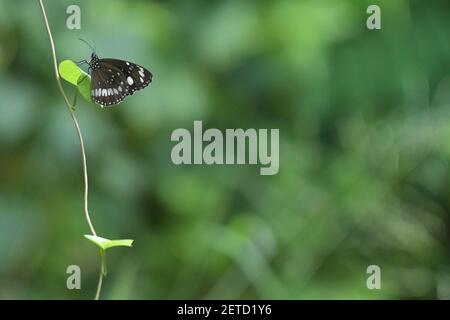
x=70, y=72
x=106, y=243
x=84, y=87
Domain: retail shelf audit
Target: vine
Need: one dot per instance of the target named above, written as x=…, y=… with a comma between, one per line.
x=70, y=72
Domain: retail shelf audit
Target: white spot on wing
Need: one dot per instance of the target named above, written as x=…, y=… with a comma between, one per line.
x=130, y=81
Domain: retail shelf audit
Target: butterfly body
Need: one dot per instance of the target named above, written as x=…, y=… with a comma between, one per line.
x=112, y=80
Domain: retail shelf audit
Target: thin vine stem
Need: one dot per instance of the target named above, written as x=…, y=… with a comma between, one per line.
x=71, y=109
x=101, y=275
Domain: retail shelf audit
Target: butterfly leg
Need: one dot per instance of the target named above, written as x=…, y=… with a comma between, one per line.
x=82, y=62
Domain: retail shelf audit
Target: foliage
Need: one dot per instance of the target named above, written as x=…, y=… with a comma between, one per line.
x=364, y=154
x=70, y=72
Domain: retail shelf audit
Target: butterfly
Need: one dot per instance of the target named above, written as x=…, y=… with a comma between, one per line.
x=112, y=80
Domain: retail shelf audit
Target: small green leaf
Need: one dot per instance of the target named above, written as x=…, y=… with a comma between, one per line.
x=106, y=243
x=84, y=87
x=70, y=72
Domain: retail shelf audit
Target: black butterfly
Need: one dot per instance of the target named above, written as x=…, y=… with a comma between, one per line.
x=112, y=79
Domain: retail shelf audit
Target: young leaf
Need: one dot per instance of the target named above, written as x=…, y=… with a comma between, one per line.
x=84, y=87
x=106, y=243
x=70, y=72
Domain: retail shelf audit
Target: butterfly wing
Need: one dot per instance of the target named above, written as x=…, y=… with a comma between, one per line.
x=114, y=79
x=107, y=90
x=137, y=76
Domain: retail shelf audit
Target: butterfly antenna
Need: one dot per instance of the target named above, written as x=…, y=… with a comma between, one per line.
x=92, y=48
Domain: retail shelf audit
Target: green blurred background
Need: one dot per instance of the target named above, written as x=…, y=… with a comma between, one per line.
x=364, y=151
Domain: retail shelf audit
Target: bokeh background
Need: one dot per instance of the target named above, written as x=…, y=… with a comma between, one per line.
x=364, y=119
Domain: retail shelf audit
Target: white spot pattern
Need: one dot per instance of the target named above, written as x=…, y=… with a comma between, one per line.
x=120, y=81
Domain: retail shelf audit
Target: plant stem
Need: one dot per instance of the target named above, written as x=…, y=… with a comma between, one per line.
x=101, y=275
x=80, y=136
x=74, y=118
